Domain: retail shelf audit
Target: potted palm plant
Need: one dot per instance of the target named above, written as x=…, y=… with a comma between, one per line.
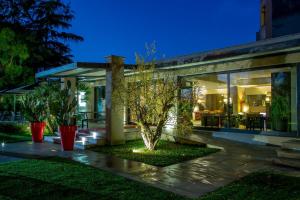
x=35, y=109
x=62, y=106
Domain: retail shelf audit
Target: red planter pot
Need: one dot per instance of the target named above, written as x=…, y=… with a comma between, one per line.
x=37, y=131
x=67, y=135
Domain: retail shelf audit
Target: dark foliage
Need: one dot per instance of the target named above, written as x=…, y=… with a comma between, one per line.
x=13, y=128
x=41, y=24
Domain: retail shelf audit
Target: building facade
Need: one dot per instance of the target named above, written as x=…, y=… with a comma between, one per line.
x=278, y=18
x=251, y=88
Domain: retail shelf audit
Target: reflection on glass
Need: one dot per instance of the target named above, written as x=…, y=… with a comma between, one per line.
x=259, y=100
x=210, y=93
x=99, y=103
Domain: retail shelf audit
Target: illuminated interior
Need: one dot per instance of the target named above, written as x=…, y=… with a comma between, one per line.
x=260, y=100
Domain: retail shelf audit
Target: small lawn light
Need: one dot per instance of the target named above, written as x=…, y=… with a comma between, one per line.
x=83, y=140
x=94, y=135
x=137, y=150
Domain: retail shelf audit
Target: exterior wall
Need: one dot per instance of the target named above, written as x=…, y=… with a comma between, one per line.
x=256, y=63
x=286, y=25
x=265, y=30
x=285, y=17
x=279, y=18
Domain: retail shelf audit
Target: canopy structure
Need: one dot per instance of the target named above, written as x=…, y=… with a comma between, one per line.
x=80, y=70
x=19, y=89
x=85, y=71
x=16, y=91
x=111, y=72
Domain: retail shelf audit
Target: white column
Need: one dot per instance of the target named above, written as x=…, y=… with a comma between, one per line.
x=114, y=103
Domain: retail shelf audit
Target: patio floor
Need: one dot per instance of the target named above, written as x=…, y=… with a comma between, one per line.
x=192, y=178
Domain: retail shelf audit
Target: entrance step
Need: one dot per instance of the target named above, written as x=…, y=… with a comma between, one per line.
x=291, y=145
x=82, y=145
x=89, y=143
x=52, y=139
x=286, y=153
x=82, y=142
x=287, y=162
x=93, y=140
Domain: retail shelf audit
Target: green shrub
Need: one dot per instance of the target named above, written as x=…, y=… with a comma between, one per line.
x=35, y=105
x=62, y=105
x=14, y=128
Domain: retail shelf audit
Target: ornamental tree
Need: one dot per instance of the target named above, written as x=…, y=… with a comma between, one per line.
x=151, y=97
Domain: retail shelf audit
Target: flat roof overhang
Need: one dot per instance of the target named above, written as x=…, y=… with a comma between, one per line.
x=19, y=89
x=268, y=47
x=84, y=70
x=233, y=58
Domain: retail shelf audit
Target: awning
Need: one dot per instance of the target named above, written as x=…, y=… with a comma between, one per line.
x=19, y=89
x=83, y=70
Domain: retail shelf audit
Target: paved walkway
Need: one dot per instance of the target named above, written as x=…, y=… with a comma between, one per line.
x=192, y=178
x=4, y=159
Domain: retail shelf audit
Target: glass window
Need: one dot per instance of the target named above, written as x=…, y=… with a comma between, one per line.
x=210, y=104
x=99, y=103
x=263, y=100
x=259, y=100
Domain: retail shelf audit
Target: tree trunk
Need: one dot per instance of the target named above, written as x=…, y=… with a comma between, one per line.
x=151, y=136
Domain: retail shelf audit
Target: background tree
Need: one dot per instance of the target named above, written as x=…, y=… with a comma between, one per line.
x=42, y=24
x=13, y=54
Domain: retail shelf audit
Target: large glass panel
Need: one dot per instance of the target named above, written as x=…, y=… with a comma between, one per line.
x=99, y=103
x=263, y=100
x=210, y=104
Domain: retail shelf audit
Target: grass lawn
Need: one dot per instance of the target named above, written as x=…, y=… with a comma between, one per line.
x=62, y=179
x=166, y=153
x=57, y=179
x=10, y=137
x=259, y=186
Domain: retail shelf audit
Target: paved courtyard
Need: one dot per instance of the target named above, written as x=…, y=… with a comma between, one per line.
x=192, y=178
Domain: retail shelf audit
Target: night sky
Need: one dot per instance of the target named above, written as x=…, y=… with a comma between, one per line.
x=179, y=27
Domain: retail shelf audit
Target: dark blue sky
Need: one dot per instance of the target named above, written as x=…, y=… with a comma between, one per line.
x=179, y=27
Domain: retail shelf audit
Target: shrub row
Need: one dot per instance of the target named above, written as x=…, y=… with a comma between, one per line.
x=14, y=128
